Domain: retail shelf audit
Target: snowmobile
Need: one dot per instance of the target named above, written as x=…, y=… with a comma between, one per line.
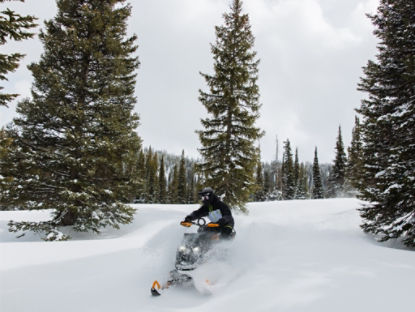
x=190, y=254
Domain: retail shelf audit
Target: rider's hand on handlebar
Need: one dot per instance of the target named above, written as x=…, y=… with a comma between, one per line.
x=188, y=221
x=186, y=224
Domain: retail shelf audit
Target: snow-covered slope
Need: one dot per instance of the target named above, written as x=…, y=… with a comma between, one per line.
x=287, y=256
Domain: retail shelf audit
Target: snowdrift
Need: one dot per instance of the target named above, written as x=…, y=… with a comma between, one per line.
x=287, y=256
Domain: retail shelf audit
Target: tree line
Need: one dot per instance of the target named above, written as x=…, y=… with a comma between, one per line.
x=291, y=179
x=173, y=179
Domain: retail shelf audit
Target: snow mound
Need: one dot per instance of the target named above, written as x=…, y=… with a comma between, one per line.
x=287, y=256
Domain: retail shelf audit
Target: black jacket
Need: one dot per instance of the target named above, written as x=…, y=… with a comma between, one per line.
x=214, y=203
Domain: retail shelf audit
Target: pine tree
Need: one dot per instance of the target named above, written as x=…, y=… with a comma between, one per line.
x=150, y=176
x=278, y=176
x=338, y=173
x=191, y=189
x=267, y=183
x=296, y=173
x=75, y=141
x=288, y=186
x=162, y=198
x=259, y=194
x=5, y=143
x=173, y=186
x=198, y=185
x=317, y=185
x=388, y=125
x=181, y=184
x=155, y=179
x=141, y=175
x=15, y=27
x=302, y=189
x=355, y=168
x=229, y=155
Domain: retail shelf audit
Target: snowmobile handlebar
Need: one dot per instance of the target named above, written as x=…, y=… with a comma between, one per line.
x=199, y=222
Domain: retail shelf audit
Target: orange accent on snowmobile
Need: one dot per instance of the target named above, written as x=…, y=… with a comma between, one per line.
x=156, y=283
x=212, y=225
x=186, y=224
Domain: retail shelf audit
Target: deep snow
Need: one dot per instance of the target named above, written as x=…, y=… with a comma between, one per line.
x=287, y=256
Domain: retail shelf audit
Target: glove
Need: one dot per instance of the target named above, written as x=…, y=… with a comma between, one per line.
x=221, y=222
x=188, y=219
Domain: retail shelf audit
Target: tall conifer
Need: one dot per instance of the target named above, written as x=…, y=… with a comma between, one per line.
x=267, y=183
x=302, y=189
x=181, y=183
x=388, y=125
x=354, y=170
x=76, y=145
x=141, y=173
x=155, y=179
x=162, y=183
x=173, y=186
x=288, y=184
x=229, y=155
x=317, y=184
x=191, y=188
x=296, y=173
x=259, y=194
x=338, y=172
x=150, y=176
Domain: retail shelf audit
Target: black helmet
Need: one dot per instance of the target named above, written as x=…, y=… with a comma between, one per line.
x=206, y=194
x=206, y=191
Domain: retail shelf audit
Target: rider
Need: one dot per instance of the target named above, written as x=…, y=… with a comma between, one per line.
x=216, y=210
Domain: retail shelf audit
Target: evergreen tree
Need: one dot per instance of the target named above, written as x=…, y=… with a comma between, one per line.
x=5, y=143
x=16, y=27
x=155, y=179
x=317, y=185
x=150, y=177
x=198, y=186
x=296, y=173
x=338, y=172
x=267, y=183
x=191, y=191
x=75, y=146
x=181, y=184
x=173, y=186
x=228, y=153
x=278, y=176
x=302, y=189
x=141, y=174
x=3, y=138
x=162, y=183
x=259, y=194
x=288, y=186
x=388, y=125
x=355, y=168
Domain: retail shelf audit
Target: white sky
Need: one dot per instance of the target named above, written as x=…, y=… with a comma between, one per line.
x=311, y=53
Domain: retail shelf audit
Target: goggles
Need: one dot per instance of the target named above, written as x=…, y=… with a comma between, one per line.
x=204, y=197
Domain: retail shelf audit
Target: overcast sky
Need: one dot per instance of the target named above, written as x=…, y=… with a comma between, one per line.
x=311, y=52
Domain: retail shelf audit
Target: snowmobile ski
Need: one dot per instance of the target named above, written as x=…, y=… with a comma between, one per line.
x=156, y=289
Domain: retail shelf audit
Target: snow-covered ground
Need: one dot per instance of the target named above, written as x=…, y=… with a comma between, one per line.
x=287, y=256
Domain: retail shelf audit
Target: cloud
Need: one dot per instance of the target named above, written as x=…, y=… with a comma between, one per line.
x=310, y=64
x=311, y=55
